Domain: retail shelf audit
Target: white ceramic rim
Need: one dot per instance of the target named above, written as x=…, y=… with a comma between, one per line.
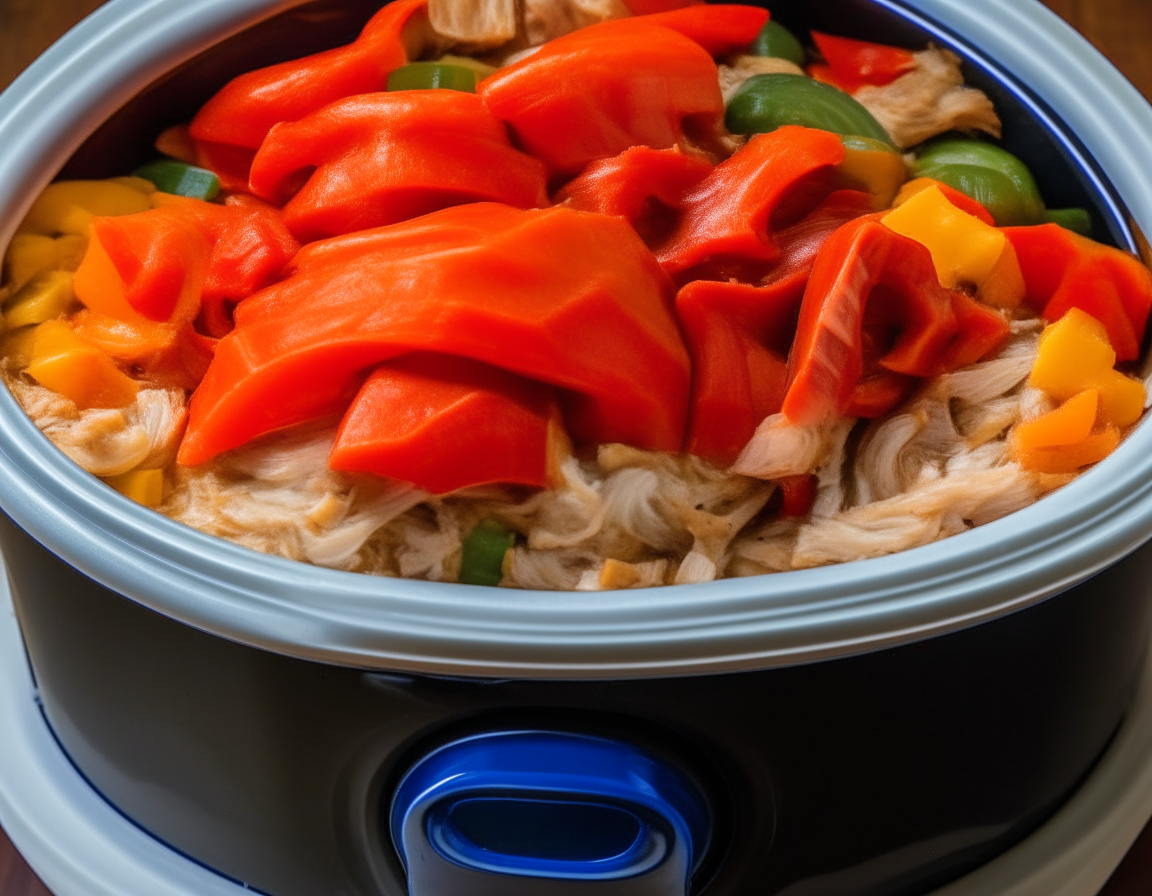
x=736, y=624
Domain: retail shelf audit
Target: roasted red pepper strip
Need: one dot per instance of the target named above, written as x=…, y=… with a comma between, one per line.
x=386, y=157
x=772, y=181
x=980, y=331
x=148, y=266
x=234, y=122
x=446, y=423
x=720, y=29
x=250, y=247
x=799, y=494
x=595, y=92
x=866, y=277
x=856, y=63
x=739, y=336
x=1063, y=270
x=479, y=281
x=643, y=185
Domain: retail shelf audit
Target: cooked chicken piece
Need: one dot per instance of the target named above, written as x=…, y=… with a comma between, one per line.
x=781, y=448
x=545, y=20
x=733, y=76
x=929, y=100
x=476, y=24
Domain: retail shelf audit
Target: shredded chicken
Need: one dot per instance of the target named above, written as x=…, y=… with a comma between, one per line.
x=476, y=24
x=929, y=100
x=740, y=69
x=545, y=20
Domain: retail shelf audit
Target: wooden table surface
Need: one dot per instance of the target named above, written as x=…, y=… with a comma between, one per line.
x=1122, y=29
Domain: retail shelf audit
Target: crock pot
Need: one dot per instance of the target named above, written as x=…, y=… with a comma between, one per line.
x=876, y=728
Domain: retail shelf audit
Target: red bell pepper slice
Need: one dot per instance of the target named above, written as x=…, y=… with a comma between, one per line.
x=1063, y=270
x=482, y=281
x=445, y=423
x=382, y=158
x=980, y=332
x=856, y=63
x=739, y=335
x=866, y=278
x=772, y=181
x=798, y=493
x=593, y=93
x=721, y=29
x=647, y=7
x=149, y=266
x=643, y=185
x=250, y=247
x=234, y=122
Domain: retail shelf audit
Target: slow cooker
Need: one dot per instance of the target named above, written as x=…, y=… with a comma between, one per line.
x=877, y=728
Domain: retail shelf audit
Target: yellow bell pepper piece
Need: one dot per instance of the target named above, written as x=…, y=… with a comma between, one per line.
x=68, y=206
x=1075, y=355
x=879, y=172
x=964, y=249
x=142, y=486
x=45, y=297
x=64, y=363
x=16, y=347
x=139, y=184
x=30, y=254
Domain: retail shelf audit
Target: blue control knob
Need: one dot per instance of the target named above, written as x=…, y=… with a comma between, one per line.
x=540, y=813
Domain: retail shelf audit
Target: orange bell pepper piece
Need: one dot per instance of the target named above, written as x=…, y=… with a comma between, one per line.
x=445, y=423
x=479, y=281
x=167, y=355
x=1068, y=458
x=387, y=157
x=1070, y=423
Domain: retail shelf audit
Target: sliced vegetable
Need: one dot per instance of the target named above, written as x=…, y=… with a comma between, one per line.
x=30, y=254
x=42, y=298
x=874, y=167
x=960, y=200
x=234, y=122
x=383, y=158
x=166, y=355
x=482, y=69
x=728, y=219
x=596, y=92
x=777, y=41
x=964, y=249
x=142, y=486
x=445, y=423
x=1078, y=220
x=144, y=267
x=181, y=179
x=66, y=365
x=1067, y=458
x=871, y=287
x=1075, y=355
x=721, y=29
x=433, y=75
x=799, y=493
x=643, y=185
x=767, y=102
x=1063, y=270
x=482, y=557
x=857, y=63
x=992, y=176
x=69, y=206
x=478, y=281
x=1070, y=423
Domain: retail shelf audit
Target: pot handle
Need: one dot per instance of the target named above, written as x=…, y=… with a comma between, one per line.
x=547, y=813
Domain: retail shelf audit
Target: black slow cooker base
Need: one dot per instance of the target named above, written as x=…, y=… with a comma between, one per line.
x=878, y=775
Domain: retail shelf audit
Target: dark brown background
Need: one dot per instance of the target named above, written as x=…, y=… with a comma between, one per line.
x=1120, y=28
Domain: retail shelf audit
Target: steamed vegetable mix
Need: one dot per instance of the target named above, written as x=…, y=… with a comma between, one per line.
x=523, y=298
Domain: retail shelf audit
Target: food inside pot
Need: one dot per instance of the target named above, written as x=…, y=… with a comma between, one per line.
x=578, y=294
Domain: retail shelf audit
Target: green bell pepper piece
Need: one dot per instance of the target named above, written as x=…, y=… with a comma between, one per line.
x=180, y=179
x=483, y=555
x=983, y=171
x=767, y=102
x=777, y=41
x=1078, y=220
x=430, y=75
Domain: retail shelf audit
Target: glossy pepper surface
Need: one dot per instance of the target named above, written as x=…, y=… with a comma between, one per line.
x=386, y=157
x=596, y=92
x=479, y=281
x=857, y=63
x=232, y=124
